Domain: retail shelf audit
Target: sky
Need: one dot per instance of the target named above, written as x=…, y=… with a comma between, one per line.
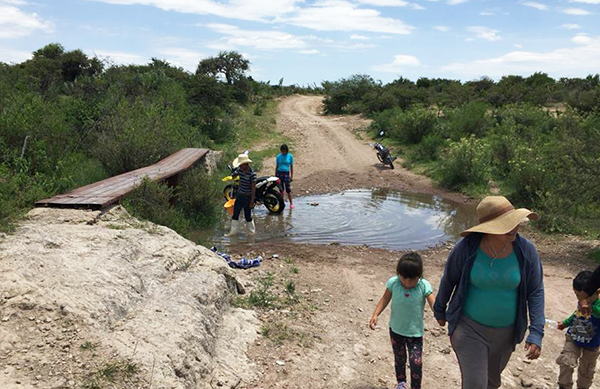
x=309, y=41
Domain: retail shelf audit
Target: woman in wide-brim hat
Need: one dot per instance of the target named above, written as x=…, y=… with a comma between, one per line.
x=492, y=280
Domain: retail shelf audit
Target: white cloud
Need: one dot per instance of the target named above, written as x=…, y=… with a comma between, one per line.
x=564, y=62
x=15, y=23
x=384, y=3
x=571, y=26
x=14, y=56
x=576, y=11
x=263, y=40
x=536, y=5
x=390, y=3
x=586, y=1
x=487, y=13
x=456, y=2
x=486, y=33
x=581, y=39
x=309, y=51
x=185, y=58
x=120, y=57
x=442, y=28
x=518, y=46
x=232, y=9
x=359, y=37
x=399, y=64
x=336, y=15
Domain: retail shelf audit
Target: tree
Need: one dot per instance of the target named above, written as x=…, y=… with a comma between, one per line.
x=230, y=64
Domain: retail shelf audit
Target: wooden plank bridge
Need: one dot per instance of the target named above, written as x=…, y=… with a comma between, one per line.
x=110, y=191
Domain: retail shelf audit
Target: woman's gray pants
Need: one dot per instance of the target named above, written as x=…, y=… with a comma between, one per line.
x=483, y=352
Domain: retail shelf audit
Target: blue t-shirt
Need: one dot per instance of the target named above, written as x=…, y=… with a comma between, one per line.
x=406, y=318
x=585, y=329
x=493, y=290
x=284, y=162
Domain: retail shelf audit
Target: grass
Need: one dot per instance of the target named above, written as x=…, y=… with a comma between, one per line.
x=278, y=332
x=88, y=346
x=595, y=255
x=110, y=373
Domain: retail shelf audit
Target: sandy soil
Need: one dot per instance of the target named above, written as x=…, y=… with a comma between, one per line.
x=319, y=338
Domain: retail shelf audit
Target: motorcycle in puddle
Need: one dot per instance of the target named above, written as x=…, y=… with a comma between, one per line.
x=266, y=190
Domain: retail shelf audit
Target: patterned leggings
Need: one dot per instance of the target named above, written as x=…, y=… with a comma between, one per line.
x=400, y=344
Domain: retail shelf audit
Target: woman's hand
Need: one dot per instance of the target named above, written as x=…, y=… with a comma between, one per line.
x=373, y=322
x=442, y=323
x=533, y=351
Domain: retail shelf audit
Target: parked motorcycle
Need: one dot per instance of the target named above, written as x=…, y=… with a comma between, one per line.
x=384, y=156
x=266, y=190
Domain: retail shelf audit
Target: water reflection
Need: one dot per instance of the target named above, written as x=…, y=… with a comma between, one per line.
x=378, y=218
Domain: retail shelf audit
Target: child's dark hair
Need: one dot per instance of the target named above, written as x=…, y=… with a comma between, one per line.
x=284, y=147
x=580, y=281
x=410, y=266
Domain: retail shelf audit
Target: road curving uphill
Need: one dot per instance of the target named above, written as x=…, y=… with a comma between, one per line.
x=89, y=299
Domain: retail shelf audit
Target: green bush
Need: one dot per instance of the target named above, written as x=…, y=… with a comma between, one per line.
x=470, y=119
x=465, y=164
x=199, y=197
x=411, y=126
x=152, y=201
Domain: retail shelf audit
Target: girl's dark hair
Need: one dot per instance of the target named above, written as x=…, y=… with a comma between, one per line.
x=410, y=266
x=580, y=281
x=284, y=147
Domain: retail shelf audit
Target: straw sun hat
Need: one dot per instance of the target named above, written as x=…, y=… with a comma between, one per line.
x=240, y=160
x=498, y=216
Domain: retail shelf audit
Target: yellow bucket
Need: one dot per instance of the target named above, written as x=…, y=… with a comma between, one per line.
x=229, y=206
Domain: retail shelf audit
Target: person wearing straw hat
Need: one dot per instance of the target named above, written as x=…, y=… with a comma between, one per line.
x=492, y=279
x=244, y=198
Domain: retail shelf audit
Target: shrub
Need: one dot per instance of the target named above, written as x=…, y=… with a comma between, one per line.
x=465, y=164
x=199, y=197
x=152, y=201
x=470, y=119
x=409, y=127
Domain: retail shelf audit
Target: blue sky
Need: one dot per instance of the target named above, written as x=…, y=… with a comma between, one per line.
x=306, y=41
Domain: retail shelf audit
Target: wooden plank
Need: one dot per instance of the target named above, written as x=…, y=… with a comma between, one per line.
x=111, y=190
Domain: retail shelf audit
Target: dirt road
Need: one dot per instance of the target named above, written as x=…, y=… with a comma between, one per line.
x=334, y=153
x=320, y=298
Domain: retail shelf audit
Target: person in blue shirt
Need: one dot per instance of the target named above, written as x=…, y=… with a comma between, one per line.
x=285, y=171
x=407, y=291
x=491, y=291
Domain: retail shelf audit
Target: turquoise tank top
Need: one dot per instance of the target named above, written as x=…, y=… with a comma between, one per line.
x=493, y=290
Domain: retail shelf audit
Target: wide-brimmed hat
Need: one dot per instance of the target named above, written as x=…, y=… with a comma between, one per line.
x=241, y=159
x=498, y=216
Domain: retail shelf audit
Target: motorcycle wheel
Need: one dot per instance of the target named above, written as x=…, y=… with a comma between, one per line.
x=391, y=163
x=273, y=200
x=229, y=192
x=380, y=158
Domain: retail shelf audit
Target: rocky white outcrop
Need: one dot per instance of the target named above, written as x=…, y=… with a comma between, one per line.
x=82, y=291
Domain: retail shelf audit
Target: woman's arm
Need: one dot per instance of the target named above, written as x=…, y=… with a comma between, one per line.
x=381, y=305
x=450, y=278
x=292, y=172
x=535, y=299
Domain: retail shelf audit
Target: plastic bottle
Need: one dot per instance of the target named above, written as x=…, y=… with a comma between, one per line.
x=551, y=324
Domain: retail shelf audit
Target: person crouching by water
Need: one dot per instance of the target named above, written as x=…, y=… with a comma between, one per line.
x=492, y=277
x=244, y=198
x=284, y=170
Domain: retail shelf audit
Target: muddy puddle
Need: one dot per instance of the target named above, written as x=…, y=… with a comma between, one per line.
x=379, y=218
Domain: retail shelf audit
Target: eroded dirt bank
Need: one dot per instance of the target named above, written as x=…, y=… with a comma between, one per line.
x=105, y=301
